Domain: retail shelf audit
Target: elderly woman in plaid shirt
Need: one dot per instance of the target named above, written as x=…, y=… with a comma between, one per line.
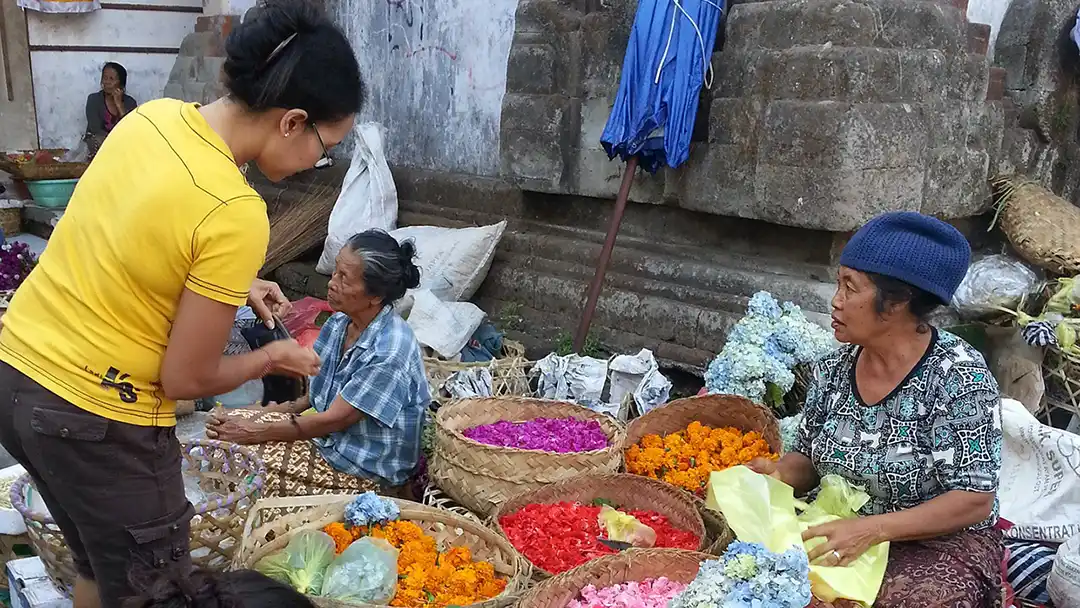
x=371, y=393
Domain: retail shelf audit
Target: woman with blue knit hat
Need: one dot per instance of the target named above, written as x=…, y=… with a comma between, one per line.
x=910, y=413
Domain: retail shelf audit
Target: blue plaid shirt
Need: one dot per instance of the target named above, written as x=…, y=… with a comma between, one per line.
x=382, y=375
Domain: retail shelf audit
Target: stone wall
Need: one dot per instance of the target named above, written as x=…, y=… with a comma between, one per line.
x=196, y=74
x=1039, y=64
x=824, y=112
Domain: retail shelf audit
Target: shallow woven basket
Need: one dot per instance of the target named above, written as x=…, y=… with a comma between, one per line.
x=624, y=490
x=633, y=565
x=273, y=521
x=1041, y=226
x=30, y=171
x=233, y=472
x=713, y=411
x=1062, y=373
x=481, y=477
x=509, y=373
x=710, y=410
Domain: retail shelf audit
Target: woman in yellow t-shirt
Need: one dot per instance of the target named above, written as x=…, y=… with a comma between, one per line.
x=132, y=302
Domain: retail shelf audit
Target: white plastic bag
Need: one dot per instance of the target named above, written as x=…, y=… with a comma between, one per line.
x=368, y=196
x=444, y=326
x=1040, y=477
x=365, y=572
x=996, y=280
x=640, y=376
x=470, y=383
x=1064, y=582
x=573, y=378
x=453, y=261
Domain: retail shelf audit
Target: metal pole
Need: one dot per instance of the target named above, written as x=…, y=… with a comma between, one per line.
x=605, y=254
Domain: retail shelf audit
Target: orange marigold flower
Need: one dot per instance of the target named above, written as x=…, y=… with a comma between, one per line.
x=342, y=537
x=686, y=458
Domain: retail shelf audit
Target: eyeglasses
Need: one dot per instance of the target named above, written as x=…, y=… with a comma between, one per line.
x=325, y=161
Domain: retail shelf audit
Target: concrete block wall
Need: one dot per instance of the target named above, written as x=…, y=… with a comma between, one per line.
x=196, y=75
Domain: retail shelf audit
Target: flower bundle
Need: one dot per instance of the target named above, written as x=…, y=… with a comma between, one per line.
x=750, y=575
x=557, y=537
x=560, y=435
x=369, y=508
x=649, y=593
x=686, y=458
x=16, y=262
x=427, y=578
x=762, y=350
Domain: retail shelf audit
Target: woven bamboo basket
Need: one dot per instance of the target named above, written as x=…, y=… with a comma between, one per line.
x=273, y=521
x=11, y=220
x=633, y=565
x=480, y=477
x=624, y=490
x=231, y=475
x=1041, y=226
x=710, y=410
x=29, y=170
x=714, y=411
x=1062, y=373
x=509, y=373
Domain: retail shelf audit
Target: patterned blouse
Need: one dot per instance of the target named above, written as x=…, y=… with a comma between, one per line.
x=939, y=430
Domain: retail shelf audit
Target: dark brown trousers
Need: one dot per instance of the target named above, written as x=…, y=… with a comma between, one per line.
x=115, y=490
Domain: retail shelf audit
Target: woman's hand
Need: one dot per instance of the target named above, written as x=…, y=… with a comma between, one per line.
x=267, y=300
x=845, y=540
x=234, y=430
x=764, y=466
x=288, y=358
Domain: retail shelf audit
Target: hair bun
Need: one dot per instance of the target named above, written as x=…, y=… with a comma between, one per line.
x=409, y=267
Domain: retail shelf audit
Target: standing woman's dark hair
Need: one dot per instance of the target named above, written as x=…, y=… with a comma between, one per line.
x=203, y=589
x=121, y=73
x=389, y=269
x=288, y=54
x=293, y=85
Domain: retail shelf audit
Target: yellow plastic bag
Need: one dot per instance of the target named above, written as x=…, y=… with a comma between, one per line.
x=761, y=509
x=626, y=528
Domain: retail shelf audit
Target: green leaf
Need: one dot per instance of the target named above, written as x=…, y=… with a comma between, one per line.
x=774, y=397
x=600, y=502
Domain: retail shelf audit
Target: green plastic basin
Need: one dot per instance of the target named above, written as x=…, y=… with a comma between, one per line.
x=52, y=192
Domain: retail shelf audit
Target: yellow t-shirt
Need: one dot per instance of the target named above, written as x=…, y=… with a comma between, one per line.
x=162, y=207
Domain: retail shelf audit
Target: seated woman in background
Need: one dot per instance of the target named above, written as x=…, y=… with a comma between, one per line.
x=911, y=414
x=370, y=396
x=106, y=107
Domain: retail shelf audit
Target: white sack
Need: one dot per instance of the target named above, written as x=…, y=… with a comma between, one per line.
x=453, y=261
x=368, y=196
x=1040, y=477
x=1064, y=582
x=444, y=326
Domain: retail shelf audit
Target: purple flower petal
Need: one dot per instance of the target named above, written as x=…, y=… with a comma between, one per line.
x=561, y=435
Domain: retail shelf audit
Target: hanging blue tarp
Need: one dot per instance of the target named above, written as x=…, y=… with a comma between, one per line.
x=666, y=64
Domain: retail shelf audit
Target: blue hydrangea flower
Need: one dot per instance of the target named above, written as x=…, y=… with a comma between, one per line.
x=750, y=576
x=763, y=304
x=369, y=508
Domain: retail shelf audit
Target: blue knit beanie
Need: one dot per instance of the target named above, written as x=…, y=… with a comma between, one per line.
x=911, y=247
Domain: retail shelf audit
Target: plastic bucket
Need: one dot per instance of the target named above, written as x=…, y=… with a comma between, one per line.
x=53, y=193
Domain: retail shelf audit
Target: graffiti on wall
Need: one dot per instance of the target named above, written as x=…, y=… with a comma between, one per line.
x=435, y=72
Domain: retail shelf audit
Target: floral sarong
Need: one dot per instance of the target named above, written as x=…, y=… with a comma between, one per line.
x=957, y=571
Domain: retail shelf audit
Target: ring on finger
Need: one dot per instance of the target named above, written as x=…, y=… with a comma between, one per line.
x=836, y=556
